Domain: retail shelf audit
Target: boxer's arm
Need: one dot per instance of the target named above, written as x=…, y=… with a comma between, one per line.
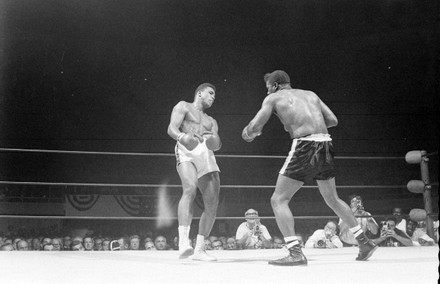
x=177, y=117
x=213, y=141
x=189, y=140
x=329, y=117
x=255, y=127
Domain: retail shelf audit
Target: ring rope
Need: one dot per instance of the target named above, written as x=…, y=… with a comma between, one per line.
x=179, y=186
x=173, y=155
x=175, y=218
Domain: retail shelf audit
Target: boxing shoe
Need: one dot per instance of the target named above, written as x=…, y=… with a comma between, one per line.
x=366, y=250
x=185, y=251
x=201, y=255
x=295, y=258
x=366, y=247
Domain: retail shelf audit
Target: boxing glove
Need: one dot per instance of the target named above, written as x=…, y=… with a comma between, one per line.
x=213, y=142
x=188, y=140
x=248, y=138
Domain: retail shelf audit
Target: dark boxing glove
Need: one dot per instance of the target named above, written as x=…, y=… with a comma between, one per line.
x=212, y=141
x=188, y=140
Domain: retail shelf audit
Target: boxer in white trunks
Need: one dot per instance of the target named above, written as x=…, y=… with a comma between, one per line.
x=197, y=138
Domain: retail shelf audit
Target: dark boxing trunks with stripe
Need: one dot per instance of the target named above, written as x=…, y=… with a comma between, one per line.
x=310, y=157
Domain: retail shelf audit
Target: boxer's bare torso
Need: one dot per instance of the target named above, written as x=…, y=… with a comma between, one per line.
x=195, y=121
x=301, y=112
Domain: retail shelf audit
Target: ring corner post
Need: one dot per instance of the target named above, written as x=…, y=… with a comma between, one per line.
x=427, y=199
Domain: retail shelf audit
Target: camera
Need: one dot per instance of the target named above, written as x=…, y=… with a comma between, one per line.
x=115, y=245
x=385, y=226
x=257, y=227
x=257, y=230
x=320, y=244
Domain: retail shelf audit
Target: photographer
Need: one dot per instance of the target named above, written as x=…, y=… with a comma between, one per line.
x=391, y=236
x=417, y=232
x=252, y=234
x=368, y=224
x=325, y=238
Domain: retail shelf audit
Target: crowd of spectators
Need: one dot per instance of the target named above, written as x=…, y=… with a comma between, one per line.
x=251, y=234
x=394, y=231
x=106, y=243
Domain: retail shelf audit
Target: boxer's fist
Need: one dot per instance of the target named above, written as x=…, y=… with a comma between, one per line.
x=212, y=141
x=189, y=141
x=248, y=138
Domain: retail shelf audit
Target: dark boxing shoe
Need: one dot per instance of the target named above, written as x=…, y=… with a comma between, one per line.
x=366, y=250
x=295, y=258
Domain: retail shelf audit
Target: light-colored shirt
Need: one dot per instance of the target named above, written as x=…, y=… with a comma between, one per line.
x=253, y=242
x=420, y=234
x=319, y=235
x=402, y=225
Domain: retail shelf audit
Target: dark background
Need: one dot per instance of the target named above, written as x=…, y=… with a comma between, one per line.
x=104, y=76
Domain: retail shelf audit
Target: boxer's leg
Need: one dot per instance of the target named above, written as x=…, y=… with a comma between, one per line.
x=209, y=186
x=327, y=188
x=284, y=191
x=188, y=176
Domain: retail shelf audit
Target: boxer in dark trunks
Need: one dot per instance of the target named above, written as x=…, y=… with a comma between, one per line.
x=306, y=118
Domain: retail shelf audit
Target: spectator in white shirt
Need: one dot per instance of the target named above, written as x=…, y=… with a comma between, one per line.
x=252, y=234
x=325, y=238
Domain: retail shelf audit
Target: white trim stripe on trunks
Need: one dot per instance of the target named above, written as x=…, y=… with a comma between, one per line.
x=316, y=137
x=287, y=161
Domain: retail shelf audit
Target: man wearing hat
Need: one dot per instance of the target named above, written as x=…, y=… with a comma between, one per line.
x=252, y=234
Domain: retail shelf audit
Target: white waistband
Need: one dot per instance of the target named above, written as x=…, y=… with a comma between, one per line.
x=319, y=137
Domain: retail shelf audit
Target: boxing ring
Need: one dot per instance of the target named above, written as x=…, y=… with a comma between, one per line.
x=387, y=265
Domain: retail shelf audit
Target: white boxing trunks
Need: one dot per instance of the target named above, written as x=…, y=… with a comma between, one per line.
x=201, y=157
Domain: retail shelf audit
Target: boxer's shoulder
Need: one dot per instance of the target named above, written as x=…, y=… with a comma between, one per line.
x=182, y=106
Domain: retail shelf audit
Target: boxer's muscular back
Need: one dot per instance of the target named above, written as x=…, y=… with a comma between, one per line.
x=301, y=112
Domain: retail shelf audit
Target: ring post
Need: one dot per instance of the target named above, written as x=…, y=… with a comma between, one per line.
x=414, y=157
x=424, y=170
x=422, y=186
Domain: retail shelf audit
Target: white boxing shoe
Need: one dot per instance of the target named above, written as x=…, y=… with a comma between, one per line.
x=185, y=251
x=201, y=255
